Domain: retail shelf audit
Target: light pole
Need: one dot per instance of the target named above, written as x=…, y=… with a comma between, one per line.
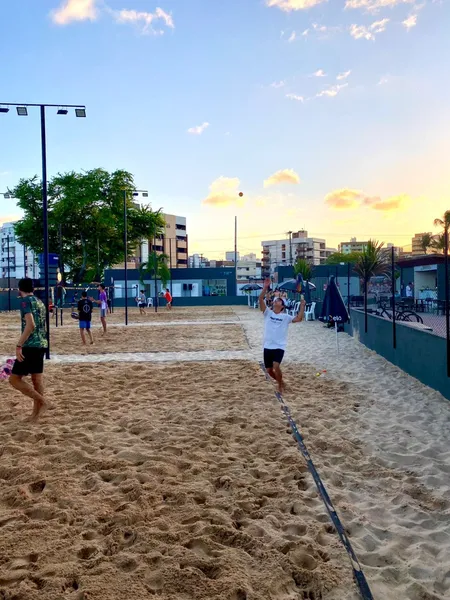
x=290, y=247
x=7, y=195
x=22, y=111
x=9, y=275
x=125, y=241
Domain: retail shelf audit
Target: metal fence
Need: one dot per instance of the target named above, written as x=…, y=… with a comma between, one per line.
x=422, y=303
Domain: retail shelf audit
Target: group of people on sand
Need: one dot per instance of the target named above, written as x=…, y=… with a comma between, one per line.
x=142, y=301
x=32, y=345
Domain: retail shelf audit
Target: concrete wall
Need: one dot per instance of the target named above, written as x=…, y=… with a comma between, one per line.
x=194, y=301
x=419, y=353
x=180, y=276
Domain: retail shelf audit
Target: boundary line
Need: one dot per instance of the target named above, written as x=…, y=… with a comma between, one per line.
x=358, y=574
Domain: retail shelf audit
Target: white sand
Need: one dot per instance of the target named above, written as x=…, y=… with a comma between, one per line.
x=241, y=519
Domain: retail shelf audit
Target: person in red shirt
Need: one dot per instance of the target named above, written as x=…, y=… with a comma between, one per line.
x=168, y=297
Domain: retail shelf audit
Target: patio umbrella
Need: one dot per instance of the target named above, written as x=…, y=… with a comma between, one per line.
x=299, y=286
x=333, y=307
x=250, y=287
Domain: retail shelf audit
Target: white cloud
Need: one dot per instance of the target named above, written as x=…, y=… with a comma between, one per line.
x=199, y=129
x=319, y=73
x=332, y=91
x=292, y=37
x=368, y=33
x=379, y=26
x=375, y=5
x=383, y=80
x=320, y=28
x=347, y=198
x=359, y=32
x=321, y=31
x=146, y=19
x=278, y=84
x=295, y=97
x=344, y=198
x=343, y=75
x=74, y=10
x=282, y=176
x=223, y=192
x=290, y=5
x=410, y=22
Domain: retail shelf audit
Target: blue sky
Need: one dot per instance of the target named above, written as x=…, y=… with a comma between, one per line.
x=331, y=116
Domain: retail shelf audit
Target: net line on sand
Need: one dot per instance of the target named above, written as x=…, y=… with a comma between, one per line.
x=358, y=574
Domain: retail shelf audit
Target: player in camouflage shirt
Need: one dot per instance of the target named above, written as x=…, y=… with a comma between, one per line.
x=31, y=348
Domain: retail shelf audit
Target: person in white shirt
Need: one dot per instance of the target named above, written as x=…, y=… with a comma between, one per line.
x=276, y=326
x=409, y=290
x=142, y=301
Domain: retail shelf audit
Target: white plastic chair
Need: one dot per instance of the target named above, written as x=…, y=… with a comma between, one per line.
x=149, y=302
x=294, y=311
x=309, y=312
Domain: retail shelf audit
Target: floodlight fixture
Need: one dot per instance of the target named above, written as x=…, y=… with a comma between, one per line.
x=4, y=109
x=80, y=112
x=22, y=111
x=62, y=111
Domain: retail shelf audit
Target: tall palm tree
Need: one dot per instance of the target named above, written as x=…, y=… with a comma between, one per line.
x=305, y=268
x=444, y=222
x=426, y=242
x=438, y=242
x=374, y=260
x=156, y=267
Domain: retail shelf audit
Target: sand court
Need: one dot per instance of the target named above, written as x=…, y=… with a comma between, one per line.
x=176, y=480
x=173, y=474
x=66, y=340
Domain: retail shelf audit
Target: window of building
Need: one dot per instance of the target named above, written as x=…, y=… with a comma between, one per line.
x=214, y=287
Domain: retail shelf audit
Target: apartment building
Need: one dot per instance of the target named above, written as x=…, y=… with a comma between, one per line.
x=16, y=261
x=299, y=245
x=352, y=246
x=247, y=270
x=173, y=241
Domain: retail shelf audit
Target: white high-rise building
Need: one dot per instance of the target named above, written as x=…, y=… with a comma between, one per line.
x=20, y=260
x=285, y=252
x=230, y=256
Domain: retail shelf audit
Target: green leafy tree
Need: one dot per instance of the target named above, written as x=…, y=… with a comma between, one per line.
x=305, y=268
x=373, y=261
x=86, y=219
x=339, y=257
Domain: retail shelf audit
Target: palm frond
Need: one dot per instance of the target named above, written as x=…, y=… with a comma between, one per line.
x=373, y=261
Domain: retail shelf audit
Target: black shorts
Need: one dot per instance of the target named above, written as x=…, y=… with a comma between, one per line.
x=272, y=356
x=33, y=363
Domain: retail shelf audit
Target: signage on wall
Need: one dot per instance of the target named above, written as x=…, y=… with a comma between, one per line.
x=425, y=268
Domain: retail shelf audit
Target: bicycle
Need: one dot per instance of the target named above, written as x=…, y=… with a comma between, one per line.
x=401, y=314
x=409, y=315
